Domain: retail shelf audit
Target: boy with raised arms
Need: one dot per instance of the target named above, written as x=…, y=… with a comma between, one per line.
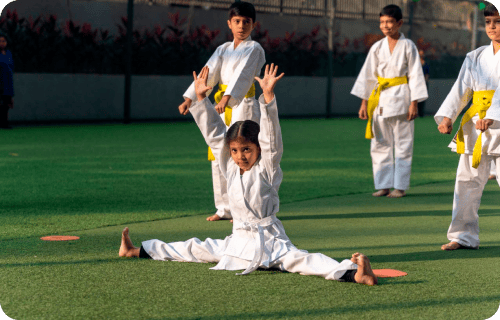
x=390, y=84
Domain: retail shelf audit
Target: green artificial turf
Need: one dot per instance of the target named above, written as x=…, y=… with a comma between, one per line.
x=90, y=181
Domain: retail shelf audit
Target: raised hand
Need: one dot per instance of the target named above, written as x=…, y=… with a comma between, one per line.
x=268, y=82
x=200, y=83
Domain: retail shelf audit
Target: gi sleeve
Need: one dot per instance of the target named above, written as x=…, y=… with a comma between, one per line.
x=270, y=141
x=251, y=63
x=416, y=78
x=493, y=112
x=213, y=130
x=367, y=78
x=459, y=96
x=214, y=64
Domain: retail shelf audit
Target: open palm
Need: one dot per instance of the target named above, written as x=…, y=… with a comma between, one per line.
x=268, y=82
x=200, y=82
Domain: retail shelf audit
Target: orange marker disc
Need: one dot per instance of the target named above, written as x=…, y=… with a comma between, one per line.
x=389, y=273
x=60, y=238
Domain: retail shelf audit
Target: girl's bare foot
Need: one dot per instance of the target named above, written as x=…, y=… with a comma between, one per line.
x=365, y=274
x=381, y=193
x=215, y=217
x=396, y=194
x=127, y=248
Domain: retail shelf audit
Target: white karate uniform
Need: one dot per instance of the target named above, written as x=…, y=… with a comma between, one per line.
x=392, y=147
x=237, y=69
x=258, y=238
x=480, y=71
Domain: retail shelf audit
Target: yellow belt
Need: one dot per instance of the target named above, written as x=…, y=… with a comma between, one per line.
x=481, y=101
x=228, y=112
x=383, y=83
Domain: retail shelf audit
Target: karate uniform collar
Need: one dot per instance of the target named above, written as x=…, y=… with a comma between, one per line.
x=401, y=37
x=491, y=50
x=249, y=38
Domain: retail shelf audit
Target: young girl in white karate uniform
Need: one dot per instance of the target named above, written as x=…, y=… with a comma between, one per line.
x=390, y=84
x=479, y=79
x=250, y=161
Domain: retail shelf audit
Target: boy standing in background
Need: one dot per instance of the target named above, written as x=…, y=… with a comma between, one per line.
x=233, y=66
x=391, y=83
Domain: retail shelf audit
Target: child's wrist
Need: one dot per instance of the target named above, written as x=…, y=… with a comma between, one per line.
x=268, y=96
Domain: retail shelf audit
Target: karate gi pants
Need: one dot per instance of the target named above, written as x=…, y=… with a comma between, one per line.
x=392, y=151
x=464, y=227
x=220, y=192
x=211, y=250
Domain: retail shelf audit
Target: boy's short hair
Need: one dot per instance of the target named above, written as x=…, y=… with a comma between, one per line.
x=243, y=9
x=490, y=10
x=392, y=11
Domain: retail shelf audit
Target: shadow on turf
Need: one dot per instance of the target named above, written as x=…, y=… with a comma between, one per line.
x=396, y=214
x=483, y=252
x=353, y=309
x=61, y=263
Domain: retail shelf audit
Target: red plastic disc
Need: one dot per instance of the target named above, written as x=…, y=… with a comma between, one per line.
x=60, y=238
x=389, y=273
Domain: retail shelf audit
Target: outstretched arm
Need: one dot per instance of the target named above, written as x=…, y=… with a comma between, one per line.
x=270, y=140
x=208, y=120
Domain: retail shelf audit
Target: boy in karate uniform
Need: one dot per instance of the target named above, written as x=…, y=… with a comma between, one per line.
x=391, y=84
x=478, y=138
x=233, y=66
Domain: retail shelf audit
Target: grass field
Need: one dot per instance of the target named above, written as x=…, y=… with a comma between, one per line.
x=91, y=181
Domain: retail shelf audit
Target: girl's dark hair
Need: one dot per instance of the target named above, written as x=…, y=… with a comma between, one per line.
x=392, y=11
x=248, y=130
x=490, y=10
x=242, y=9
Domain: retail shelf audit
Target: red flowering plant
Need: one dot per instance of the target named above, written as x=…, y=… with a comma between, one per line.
x=39, y=45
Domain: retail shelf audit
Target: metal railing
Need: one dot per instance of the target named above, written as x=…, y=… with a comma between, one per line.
x=443, y=13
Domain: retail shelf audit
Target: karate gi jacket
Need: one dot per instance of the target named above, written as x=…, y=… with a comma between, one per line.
x=480, y=72
x=253, y=196
x=404, y=61
x=236, y=68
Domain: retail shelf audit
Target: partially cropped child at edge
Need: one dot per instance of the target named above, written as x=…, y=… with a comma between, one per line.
x=478, y=138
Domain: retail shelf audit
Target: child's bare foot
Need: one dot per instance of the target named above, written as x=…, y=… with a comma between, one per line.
x=381, y=193
x=127, y=248
x=365, y=274
x=215, y=217
x=396, y=194
x=492, y=177
x=451, y=246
